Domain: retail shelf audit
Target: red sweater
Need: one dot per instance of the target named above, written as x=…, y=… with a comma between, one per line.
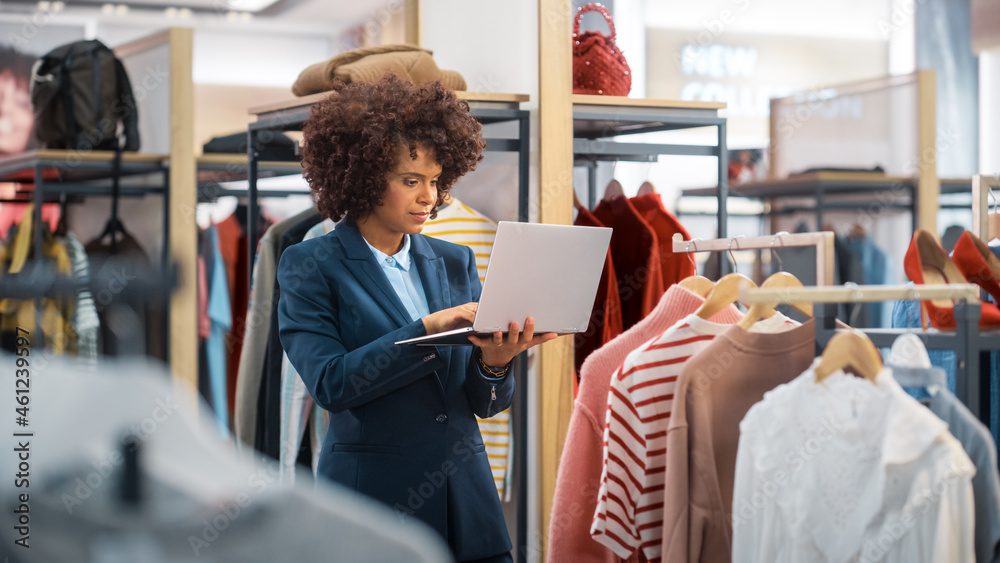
x=673, y=267
x=635, y=250
x=606, y=316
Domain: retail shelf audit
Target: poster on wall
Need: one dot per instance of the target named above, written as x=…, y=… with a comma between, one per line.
x=21, y=44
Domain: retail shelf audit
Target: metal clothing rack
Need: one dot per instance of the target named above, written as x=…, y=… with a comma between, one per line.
x=487, y=108
x=216, y=168
x=968, y=343
x=63, y=173
x=822, y=241
x=39, y=280
x=867, y=190
x=597, y=120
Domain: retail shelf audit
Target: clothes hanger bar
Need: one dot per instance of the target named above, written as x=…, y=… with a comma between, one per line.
x=981, y=184
x=822, y=241
x=860, y=293
x=751, y=243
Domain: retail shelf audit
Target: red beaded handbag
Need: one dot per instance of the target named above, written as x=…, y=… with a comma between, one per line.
x=599, y=66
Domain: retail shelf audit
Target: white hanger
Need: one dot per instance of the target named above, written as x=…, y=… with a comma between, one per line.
x=909, y=351
x=911, y=365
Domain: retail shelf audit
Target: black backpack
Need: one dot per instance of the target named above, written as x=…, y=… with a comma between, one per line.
x=80, y=93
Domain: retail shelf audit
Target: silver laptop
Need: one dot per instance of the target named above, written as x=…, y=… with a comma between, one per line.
x=549, y=272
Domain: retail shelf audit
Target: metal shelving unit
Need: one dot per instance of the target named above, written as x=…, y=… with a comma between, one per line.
x=867, y=189
x=599, y=119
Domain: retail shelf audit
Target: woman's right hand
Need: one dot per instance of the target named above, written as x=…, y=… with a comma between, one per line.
x=450, y=319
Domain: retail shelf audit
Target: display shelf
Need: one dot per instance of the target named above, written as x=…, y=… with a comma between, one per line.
x=820, y=184
x=598, y=118
x=74, y=166
x=225, y=167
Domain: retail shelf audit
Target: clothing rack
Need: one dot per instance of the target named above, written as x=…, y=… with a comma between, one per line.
x=822, y=241
x=487, y=108
x=981, y=193
x=972, y=386
x=69, y=172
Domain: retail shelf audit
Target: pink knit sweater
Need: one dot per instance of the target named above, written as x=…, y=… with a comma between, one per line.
x=579, y=476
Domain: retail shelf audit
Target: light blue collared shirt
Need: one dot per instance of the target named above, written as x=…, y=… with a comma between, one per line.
x=404, y=279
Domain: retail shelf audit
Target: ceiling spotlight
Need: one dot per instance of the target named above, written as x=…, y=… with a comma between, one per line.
x=44, y=6
x=58, y=6
x=108, y=9
x=170, y=12
x=184, y=13
x=121, y=9
x=232, y=16
x=246, y=16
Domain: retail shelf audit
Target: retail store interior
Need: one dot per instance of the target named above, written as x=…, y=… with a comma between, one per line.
x=792, y=351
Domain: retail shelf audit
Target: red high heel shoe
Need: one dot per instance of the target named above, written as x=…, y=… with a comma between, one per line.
x=978, y=263
x=927, y=263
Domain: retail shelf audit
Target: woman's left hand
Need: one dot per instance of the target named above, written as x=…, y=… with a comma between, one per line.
x=499, y=351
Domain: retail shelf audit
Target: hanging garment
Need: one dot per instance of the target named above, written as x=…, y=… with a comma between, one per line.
x=268, y=435
x=978, y=444
x=580, y=466
x=54, y=334
x=215, y=346
x=635, y=250
x=258, y=326
x=85, y=321
x=606, y=316
x=629, y=514
x=299, y=414
x=847, y=470
x=204, y=329
x=460, y=224
x=906, y=314
x=673, y=266
x=715, y=390
x=874, y=271
x=133, y=324
x=233, y=248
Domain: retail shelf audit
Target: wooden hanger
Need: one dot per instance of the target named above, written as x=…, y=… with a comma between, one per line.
x=576, y=201
x=725, y=293
x=646, y=188
x=613, y=191
x=697, y=284
x=760, y=311
x=849, y=348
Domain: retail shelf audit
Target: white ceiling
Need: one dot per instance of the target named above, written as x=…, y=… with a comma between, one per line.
x=342, y=13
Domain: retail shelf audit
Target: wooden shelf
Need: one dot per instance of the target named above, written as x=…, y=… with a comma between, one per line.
x=622, y=101
x=67, y=165
x=461, y=94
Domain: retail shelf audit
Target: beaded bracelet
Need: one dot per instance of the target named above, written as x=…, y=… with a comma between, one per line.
x=495, y=372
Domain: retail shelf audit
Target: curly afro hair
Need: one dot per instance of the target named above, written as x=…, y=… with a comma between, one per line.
x=354, y=135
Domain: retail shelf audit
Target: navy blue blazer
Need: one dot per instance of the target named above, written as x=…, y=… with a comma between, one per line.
x=402, y=429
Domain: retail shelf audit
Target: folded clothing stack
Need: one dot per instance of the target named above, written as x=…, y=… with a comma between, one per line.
x=370, y=64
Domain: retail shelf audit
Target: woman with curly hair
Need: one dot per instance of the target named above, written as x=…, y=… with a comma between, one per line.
x=402, y=429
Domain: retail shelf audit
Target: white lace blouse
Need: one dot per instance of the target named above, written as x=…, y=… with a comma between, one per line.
x=847, y=471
